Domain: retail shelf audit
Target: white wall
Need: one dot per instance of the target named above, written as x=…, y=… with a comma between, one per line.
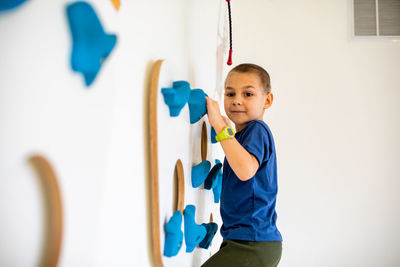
x=335, y=120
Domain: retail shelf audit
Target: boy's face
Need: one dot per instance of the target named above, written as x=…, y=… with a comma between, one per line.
x=245, y=99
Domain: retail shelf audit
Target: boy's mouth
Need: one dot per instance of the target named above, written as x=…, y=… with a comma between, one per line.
x=237, y=111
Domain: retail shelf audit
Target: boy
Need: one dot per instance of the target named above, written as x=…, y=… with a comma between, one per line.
x=249, y=185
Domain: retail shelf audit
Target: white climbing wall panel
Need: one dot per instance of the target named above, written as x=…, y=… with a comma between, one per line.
x=95, y=137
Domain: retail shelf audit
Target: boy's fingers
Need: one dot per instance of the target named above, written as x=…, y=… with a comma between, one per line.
x=208, y=100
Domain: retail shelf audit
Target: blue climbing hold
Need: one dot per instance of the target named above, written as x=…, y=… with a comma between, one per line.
x=10, y=4
x=176, y=97
x=218, y=186
x=211, y=180
x=91, y=45
x=213, y=135
x=173, y=235
x=200, y=172
x=197, y=105
x=211, y=230
x=194, y=233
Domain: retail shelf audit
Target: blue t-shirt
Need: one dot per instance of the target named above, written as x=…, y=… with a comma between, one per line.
x=248, y=208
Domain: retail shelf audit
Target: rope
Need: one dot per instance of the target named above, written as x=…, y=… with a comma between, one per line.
x=230, y=33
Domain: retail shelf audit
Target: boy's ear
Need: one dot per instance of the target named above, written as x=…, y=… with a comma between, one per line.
x=269, y=98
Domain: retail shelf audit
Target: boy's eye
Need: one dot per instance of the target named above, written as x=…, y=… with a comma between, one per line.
x=230, y=94
x=248, y=94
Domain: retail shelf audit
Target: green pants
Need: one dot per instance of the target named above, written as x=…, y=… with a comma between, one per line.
x=239, y=253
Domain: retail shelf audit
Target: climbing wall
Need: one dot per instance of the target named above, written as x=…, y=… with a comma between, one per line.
x=178, y=138
x=92, y=128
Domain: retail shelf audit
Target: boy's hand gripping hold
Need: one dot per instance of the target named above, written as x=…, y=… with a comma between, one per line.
x=217, y=121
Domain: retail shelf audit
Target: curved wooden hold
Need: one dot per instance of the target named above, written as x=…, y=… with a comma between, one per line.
x=211, y=220
x=116, y=4
x=204, y=142
x=155, y=205
x=54, y=210
x=180, y=203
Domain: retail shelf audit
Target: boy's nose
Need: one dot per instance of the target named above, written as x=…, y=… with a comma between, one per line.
x=237, y=101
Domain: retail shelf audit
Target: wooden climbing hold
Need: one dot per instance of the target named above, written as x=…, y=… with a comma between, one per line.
x=54, y=216
x=155, y=205
x=180, y=203
x=204, y=142
x=116, y=4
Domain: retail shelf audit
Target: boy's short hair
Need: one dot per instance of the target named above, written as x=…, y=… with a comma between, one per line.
x=259, y=71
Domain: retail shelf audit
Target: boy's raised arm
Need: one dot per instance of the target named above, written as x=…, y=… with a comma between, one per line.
x=244, y=164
